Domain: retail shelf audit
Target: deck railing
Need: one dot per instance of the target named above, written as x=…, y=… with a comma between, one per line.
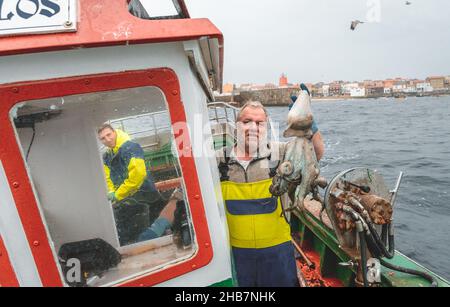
x=222, y=112
x=154, y=127
x=226, y=114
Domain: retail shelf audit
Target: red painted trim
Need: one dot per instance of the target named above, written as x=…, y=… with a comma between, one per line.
x=21, y=189
x=163, y=78
x=7, y=276
x=108, y=23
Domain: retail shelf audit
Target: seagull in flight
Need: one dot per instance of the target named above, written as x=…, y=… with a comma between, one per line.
x=354, y=24
x=408, y=3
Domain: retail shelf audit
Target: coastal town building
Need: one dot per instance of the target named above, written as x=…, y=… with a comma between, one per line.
x=335, y=89
x=410, y=89
x=399, y=86
x=279, y=94
x=283, y=82
x=317, y=90
x=347, y=87
x=375, y=91
x=228, y=88
x=438, y=83
x=447, y=82
x=358, y=92
x=326, y=90
x=424, y=87
x=389, y=84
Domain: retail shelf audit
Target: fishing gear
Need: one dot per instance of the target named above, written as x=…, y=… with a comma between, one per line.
x=360, y=208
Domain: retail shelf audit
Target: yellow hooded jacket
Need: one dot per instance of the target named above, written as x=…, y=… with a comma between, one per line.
x=125, y=168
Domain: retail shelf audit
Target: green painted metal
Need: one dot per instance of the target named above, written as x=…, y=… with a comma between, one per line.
x=392, y=278
x=345, y=275
x=161, y=157
x=323, y=233
x=221, y=141
x=329, y=261
x=224, y=283
x=313, y=234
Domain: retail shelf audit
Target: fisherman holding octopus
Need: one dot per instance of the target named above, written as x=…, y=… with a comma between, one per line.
x=260, y=236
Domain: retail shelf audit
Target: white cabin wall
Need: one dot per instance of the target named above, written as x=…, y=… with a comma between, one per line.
x=207, y=139
x=69, y=182
x=195, y=101
x=124, y=58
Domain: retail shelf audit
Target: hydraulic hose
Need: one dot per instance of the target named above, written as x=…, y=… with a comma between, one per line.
x=384, y=234
x=362, y=246
x=361, y=228
x=427, y=276
x=373, y=247
x=387, y=253
x=377, y=247
x=378, y=241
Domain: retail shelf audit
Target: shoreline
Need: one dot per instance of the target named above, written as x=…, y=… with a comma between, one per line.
x=335, y=99
x=345, y=98
x=378, y=97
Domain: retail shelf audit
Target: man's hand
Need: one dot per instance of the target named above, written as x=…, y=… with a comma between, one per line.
x=177, y=194
x=168, y=212
x=112, y=196
x=303, y=87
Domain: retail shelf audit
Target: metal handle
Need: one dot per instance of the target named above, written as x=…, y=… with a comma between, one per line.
x=395, y=190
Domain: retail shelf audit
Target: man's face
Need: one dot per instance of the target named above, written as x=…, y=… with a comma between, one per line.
x=252, y=128
x=108, y=137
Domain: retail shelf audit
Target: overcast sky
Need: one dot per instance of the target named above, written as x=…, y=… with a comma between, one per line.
x=311, y=41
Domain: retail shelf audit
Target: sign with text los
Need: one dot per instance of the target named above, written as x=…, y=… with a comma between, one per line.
x=37, y=16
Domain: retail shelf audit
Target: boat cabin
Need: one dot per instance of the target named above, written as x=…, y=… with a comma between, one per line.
x=148, y=75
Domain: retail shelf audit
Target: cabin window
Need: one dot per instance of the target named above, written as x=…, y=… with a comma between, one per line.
x=157, y=9
x=113, y=200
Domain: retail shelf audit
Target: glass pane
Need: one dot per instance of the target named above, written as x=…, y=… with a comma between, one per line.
x=108, y=181
x=156, y=8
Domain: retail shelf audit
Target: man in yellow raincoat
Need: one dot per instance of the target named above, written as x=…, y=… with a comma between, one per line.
x=129, y=184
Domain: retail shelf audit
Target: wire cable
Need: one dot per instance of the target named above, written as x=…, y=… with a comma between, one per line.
x=31, y=143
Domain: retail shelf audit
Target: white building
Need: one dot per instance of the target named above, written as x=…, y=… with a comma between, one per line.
x=326, y=90
x=358, y=92
x=424, y=87
x=347, y=88
x=401, y=87
x=410, y=89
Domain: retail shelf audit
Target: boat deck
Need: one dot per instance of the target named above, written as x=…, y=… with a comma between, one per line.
x=141, y=258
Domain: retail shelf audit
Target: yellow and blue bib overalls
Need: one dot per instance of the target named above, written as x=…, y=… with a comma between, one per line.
x=259, y=234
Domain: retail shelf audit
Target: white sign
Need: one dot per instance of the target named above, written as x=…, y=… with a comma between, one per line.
x=37, y=16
